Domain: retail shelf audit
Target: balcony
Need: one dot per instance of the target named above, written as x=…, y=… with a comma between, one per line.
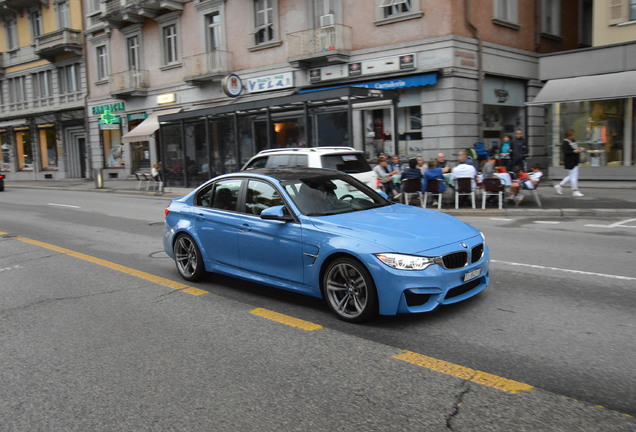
x=2, y=67
x=120, y=13
x=8, y=7
x=206, y=67
x=129, y=83
x=57, y=43
x=320, y=46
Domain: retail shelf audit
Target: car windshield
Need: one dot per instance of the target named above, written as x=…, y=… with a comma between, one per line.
x=350, y=163
x=327, y=195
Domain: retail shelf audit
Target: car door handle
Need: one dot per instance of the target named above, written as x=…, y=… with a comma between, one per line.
x=200, y=216
x=245, y=227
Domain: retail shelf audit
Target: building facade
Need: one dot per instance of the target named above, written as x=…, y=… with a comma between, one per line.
x=592, y=91
x=463, y=70
x=42, y=90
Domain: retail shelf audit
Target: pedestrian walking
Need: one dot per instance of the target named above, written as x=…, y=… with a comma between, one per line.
x=571, y=157
x=518, y=151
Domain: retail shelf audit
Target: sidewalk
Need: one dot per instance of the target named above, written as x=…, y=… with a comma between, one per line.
x=601, y=198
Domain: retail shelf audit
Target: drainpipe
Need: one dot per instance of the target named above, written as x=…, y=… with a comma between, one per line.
x=480, y=69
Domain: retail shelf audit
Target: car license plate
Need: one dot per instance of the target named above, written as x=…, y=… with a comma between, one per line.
x=472, y=274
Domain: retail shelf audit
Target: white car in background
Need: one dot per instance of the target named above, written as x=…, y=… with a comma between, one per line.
x=344, y=159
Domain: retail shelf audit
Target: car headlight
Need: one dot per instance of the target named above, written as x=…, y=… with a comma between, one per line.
x=483, y=237
x=405, y=262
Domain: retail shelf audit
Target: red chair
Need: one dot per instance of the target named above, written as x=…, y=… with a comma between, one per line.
x=492, y=187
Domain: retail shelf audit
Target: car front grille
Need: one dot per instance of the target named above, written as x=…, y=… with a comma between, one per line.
x=455, y=260
x=463, y=289
x=476, y=253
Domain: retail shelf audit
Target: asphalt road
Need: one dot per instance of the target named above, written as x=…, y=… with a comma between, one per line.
x=86, y=346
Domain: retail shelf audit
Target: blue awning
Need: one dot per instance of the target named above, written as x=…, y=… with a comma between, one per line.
x=392, y=84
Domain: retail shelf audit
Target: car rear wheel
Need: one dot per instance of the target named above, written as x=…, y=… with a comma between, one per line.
x=349, y=290
x=188, y=258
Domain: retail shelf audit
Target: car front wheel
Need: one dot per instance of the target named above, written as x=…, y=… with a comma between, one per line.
x=349, y=290
x=188, y=258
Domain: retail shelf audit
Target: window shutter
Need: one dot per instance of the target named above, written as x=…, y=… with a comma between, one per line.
x=617, y=11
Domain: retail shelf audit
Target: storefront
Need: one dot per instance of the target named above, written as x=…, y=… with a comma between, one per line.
x=598, y=106
x=110, y=124
x=199, y=144
x=503, y=108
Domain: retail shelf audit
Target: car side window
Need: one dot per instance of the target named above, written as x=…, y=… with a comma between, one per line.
x=279, y=161
x=261, y=195
x=204, y=197
x=225, y=194
x=258, y=163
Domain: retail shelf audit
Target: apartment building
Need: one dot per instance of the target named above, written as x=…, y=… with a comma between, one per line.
x=202, y=85
x=592, y=91
x=42, y=90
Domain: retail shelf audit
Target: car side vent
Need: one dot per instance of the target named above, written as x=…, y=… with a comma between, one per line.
x=455, y=260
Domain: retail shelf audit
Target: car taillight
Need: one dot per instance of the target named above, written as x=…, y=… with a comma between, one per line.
x=1, y=176
x=166, y=211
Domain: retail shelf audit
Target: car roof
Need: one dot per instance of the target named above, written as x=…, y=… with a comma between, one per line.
x=284, y=174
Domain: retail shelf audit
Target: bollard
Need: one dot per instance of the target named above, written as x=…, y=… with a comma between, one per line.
x=98, y=175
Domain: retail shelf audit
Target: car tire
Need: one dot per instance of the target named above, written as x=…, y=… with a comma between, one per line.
x=188, y=258
x=349, y=290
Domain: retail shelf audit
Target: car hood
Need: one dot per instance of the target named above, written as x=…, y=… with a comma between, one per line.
x=398, y=228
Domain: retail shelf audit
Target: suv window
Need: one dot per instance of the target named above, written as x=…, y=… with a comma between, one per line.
x=351, y=163
x=284, y=160
x=257, y=163
x=261, y=195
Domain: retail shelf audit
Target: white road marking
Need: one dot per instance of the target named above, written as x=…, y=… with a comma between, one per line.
x=621, y=224
x=547, y=222
x=502, y=219
x=565, y=270
x=63, y=205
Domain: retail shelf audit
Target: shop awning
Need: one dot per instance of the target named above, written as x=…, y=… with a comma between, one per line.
x=389, y=84
x=146, y=128
x=592, y=87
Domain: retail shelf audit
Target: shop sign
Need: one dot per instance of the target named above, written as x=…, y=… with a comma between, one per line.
x=355, y=69
x=108, y=121
x=101, y=109
x=232, y=85
x=398, y=63
x=315, y=75
x=271, y=82
x=137, y=116
x=504, y=91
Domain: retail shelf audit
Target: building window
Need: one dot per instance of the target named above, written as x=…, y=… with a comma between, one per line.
x=133, y=47
x=213, y=26
x=632, y=10
x=551, y=17
x=102, y=62
x=48, y=149
x=63, y=15
x=6, y=151
x=506, y=11
x=36, y=23
x=95, y=6
x=69, y=79
x=24, y=150
x=392, y=8
x=42, y=86
x=12, y=33
x=170, y=45
x=390, y=11
x=17, y=92
x=264, y=25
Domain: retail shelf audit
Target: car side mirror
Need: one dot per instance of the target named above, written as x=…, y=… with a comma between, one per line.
x=278, y=212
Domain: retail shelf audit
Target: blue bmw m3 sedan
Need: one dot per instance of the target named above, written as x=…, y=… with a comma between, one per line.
x=325, y=234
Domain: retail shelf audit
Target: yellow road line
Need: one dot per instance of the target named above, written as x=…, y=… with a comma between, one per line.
x=111, y=265
x=465, y=373
x=285, y=319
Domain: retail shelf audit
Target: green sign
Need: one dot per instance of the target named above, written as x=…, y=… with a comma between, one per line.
x=101, y=109
x=108, y=118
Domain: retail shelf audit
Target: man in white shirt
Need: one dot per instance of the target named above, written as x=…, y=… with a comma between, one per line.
x=464, y=170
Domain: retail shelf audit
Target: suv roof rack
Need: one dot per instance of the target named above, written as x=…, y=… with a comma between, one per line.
x=312, y=149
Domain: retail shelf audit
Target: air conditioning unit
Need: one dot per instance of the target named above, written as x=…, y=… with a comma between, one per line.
x=327, y=20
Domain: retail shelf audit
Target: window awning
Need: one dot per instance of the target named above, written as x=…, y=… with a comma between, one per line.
x=592, y=87
x=144, y=130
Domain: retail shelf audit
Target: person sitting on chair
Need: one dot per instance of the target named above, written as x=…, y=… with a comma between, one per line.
x=434, y=173
x=525, y=181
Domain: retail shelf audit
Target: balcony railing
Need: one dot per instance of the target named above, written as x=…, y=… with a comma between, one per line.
x=205, y=67
x=129, y=83
x=331, y=44
x=59, y=42
x=8, y=7
x=122, y=12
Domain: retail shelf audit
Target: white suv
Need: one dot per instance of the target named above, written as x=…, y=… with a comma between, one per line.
x=345, y=159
